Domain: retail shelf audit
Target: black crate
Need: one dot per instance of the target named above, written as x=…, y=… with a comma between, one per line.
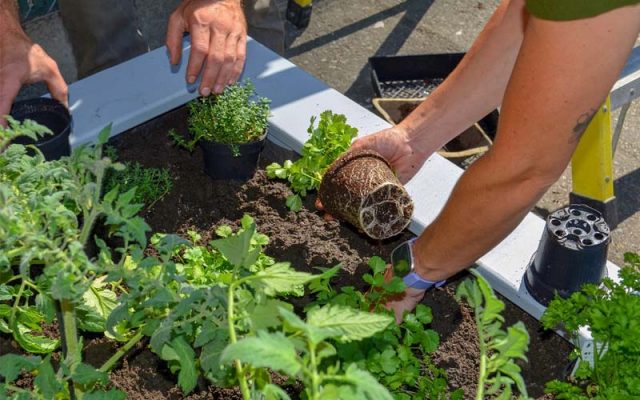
x=413, y=76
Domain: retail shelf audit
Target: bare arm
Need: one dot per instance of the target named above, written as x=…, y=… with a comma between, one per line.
x=563, y=73
x=22, y=61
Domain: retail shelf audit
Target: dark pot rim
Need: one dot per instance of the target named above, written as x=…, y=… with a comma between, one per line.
x=57, y=108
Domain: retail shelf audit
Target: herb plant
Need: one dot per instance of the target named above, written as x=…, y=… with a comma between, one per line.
x=151, y=184
x=499, y=349
x=610, y=311
x=233, y=117
x=328, y=141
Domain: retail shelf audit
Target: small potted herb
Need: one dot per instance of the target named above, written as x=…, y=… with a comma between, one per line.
x=231, y=128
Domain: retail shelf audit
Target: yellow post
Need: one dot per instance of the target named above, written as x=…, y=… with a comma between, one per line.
x=592, y=167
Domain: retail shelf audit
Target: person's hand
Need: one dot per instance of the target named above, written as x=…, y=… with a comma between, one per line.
x=218, y=41
x=21, y=62
x=394, y=145
x=405, y=302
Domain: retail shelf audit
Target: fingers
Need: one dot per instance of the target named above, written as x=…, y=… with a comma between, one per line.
x=241, y=56
x=57, y=86
x=227, y=66
x=200, y=38
x=219, y=54
x=175, y=29
x=9, y=89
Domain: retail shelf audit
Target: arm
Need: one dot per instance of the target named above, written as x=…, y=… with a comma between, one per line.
x=218, y=41
x=562, y=75
x=471, y=91
x=22, y=61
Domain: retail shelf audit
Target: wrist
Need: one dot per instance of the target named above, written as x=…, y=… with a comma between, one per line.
x=424, y=266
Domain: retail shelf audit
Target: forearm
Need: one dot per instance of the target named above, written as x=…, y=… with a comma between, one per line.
x=563, y=73
x=475, y=87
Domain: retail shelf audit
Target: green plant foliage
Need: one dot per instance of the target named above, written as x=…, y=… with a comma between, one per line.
x=327, y=142
x=611, y=312
x=16, y=129
x=398, y=356
x=499, y=349
x=48, y=210
x=300, y=349
x=151, y=184
x=233, y=117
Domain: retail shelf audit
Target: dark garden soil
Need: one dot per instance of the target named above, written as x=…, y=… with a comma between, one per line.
x=306, y=240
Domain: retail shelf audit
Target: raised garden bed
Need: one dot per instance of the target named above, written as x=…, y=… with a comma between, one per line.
x=306, y=240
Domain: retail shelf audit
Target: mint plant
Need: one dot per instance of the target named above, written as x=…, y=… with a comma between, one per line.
x=499, y=349
x=234, y=117
x=610, y=312
x=327, y=142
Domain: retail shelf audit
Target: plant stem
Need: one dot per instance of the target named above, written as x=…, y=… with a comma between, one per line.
x=106, y=367
x=482, y=376
x=315, y=378
x=242, y=379
x=70, y=345
x=16, y=303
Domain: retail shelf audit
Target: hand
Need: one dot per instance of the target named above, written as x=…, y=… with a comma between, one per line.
x=395, y=146
x=405, y=302
x=22, y=61
x=218, y=41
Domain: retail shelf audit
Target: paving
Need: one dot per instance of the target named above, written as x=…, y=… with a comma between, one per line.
x=336, y=47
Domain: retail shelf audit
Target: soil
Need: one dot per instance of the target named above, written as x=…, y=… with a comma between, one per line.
x=305, y=239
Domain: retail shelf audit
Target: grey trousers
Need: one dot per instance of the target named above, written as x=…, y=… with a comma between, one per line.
x=104, y=33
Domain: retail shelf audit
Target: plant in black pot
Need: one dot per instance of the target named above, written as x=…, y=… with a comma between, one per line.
x=231, y=128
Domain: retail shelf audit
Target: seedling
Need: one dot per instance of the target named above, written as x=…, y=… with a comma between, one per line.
x=328, y=141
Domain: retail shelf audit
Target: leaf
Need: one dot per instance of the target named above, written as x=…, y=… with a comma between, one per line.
x=430, y=340
x=367, y=387
x=11, y=365
x=85, y=374
x=266, y=350
x=32, y=343
x=294, y=202
x=179, y=350
x=236, y=248
x=112, y=394
x=377, y=264
x=280, y=278
x=266, y=315
x=46, y=380
x=348, y=324
x=273, y=392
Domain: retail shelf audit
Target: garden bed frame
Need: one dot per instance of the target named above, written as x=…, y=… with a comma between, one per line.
x=147, y=86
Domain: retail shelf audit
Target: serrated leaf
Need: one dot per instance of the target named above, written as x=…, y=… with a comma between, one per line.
x=266, y=350
x=280, y=278
x=273, y=392
x=367, y=387
x=46, y=380
x=179, y=350
x=266, y=315
x=85, y=374
x=11, y=365
x=36, y=344
x=236, y=248
x=377, y=264
x=348, y=324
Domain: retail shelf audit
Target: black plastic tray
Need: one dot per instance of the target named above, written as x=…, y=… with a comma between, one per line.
x=413, y=76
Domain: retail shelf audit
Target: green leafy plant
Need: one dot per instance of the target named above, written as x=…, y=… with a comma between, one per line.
x=610, y=311
x=398, y=356
x=499, y=349
x=16, y=129
x=328, y=141
x=302, y=347
x=48, y=213
x=151, y=184
x=233, y=117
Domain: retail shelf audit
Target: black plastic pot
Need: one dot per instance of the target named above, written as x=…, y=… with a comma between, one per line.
x=52, y=114
x=571, y=253
x=222, y=163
